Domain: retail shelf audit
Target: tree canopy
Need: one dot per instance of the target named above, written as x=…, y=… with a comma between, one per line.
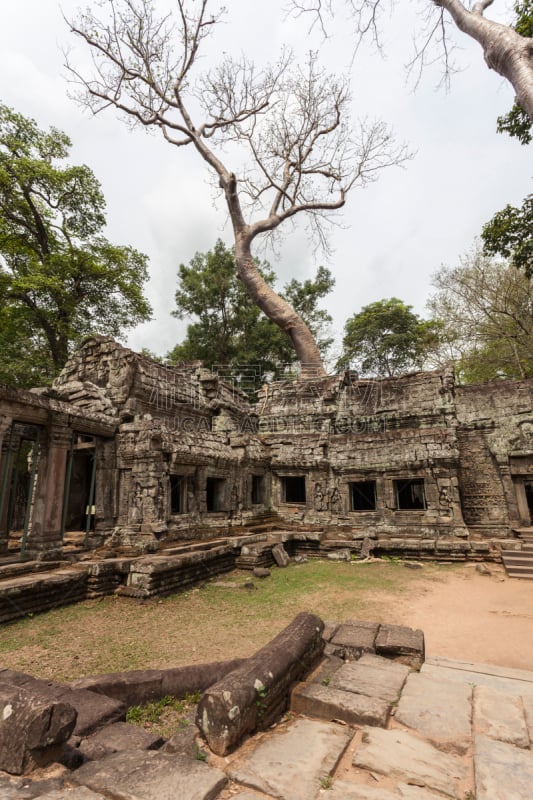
x=60, y=278
x=510, y=234
x=386, y=339
x=228, y=329
x=485, y=309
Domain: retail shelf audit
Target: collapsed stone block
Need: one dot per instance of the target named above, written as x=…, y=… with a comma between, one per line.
x=33, y=730
x=281, y=557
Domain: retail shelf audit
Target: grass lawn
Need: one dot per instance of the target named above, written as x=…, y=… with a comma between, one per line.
x=207, y=623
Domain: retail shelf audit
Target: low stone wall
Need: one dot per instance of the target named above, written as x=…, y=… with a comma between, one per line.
x=32, y=594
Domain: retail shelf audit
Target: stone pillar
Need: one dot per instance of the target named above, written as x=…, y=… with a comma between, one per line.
x=105, y=498
x=5, y=461
x=45, y=536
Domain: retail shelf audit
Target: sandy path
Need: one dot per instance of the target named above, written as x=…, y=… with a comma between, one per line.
x=475, y=617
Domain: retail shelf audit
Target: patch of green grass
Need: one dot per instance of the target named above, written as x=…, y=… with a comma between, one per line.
x=163, y=716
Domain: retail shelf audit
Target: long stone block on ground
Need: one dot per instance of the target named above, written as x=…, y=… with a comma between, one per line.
x=33, y=729
x=372, y=676
x=148, y=775
x=401, y=755
x=500, y=716
x=438, y=709
x=256, y=694
x=116, y=738
x=93, y=710
x=289, y=765
x=346, y=790
x=326, y=702
x=502, y=772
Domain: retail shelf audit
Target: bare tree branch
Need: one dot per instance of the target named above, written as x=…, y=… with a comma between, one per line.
x=291, y=122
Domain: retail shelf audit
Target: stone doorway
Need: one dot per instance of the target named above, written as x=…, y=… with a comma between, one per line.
x=18, y=473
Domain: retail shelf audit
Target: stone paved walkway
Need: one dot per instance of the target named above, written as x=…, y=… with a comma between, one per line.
x=372, y=730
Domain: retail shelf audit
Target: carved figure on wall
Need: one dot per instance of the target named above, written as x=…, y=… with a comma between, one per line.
x=320, y=498
x=335, y=501
x=445, y=502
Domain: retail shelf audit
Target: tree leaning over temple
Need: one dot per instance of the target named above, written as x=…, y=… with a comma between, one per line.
x=60, y=279
x=507, y=49
x=298, y=151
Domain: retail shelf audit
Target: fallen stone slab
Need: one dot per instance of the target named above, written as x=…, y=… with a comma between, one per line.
x=502, y=772
x=280, y=555
x=500, y=716
x=140, y=686
x=401, y=755
x=149, y=775
x=352, y=639
x=401, y=644
x=33, y=729
x=438, y=709
x=93, y=710
x=256, y=694
x=372, y=676
x=184, y=740
x=326, y=702
x=512, y=681
x=290, y=764
x=116, y=738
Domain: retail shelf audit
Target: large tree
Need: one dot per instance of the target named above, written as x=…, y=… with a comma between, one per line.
x=228, y=329
x=286, y=125
x=60, y=278
x=485, y=309
x=507, y=48
x=386, y=338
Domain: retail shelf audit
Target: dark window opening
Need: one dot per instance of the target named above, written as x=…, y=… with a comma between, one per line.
x=258, y=490
x=177, y=494
x=294, y=489
x=214, y=489
x=410, y=494
x=363, y=496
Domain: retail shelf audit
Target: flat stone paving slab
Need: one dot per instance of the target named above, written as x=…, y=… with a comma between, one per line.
x=372, y=676
x=148, y=775
x=116, y=738
x=512, y=681
x=326, y=702
x=500, y=716
x=438, y=709
x=79, y=793
x=289, y=764
x=401, y=755
x=502, y=772
x=345, y=790
x=528, y=709
x=354, y=638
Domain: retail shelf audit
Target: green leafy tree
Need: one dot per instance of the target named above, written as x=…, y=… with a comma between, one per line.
x=510, y=234
x=228, y=328
x=60, y=279
x=485, y=310
x=386, y=338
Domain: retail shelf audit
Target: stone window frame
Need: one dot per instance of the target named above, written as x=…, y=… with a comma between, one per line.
x=219, y=496
x=182, y=493
x=409, y=481
x=283, y=488
x=262, y=489
x=351, y=508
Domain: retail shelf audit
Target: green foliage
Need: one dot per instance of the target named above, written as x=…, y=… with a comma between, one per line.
x=386, y=338
x=510, y=234
x=228, y=328
x=485, y=308
x=60, y=279
x=517, y=122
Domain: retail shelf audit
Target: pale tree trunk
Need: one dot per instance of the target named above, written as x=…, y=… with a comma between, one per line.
x=505, y=51
x=277, y=309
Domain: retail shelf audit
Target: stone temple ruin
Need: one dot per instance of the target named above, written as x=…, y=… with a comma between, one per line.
x=125, y=458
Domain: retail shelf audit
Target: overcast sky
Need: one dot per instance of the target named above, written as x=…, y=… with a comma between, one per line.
x=394, y=234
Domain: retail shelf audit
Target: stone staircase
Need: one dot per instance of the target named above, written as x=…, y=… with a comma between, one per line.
x=519, y=563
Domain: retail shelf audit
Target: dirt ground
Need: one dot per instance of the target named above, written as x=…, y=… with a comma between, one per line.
x=474, y=617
